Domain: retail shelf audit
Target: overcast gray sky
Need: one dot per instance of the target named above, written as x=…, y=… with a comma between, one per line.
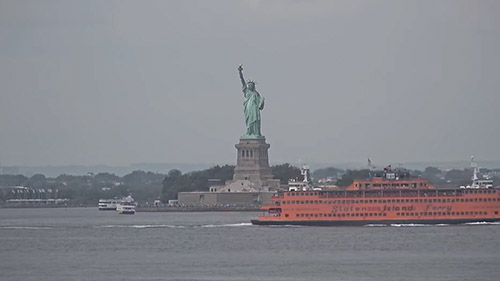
x=120, y=82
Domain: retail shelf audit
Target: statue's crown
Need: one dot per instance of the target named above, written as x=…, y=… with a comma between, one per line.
x=251, y=81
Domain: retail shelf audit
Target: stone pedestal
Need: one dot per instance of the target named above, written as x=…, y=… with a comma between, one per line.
x=252, y=171
x=252, y=161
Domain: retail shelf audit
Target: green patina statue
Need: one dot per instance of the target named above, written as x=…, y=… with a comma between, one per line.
x=252, y=105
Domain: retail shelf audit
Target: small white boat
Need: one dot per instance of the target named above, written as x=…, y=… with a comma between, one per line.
x=112, y=204
x=107, y=204
x=125, y=208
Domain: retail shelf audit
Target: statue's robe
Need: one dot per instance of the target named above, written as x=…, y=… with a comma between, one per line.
x=252, y=105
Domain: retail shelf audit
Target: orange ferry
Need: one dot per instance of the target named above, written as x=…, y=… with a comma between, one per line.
x=392, y=198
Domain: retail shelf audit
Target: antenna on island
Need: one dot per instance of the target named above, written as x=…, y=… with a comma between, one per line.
x=305, y=172
x=474, y=173
x=370, y=165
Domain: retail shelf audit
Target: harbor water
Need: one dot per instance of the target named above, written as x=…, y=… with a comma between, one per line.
x=86, y=244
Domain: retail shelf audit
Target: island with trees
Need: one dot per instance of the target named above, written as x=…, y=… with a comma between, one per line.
x=148, y=187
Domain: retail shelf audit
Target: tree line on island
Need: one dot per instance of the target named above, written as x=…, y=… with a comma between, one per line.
x=145, y=187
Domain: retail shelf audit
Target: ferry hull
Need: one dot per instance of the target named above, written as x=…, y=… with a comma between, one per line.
x=370, y=222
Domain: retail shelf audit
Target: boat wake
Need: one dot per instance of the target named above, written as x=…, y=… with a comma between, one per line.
x=140, y=226
x=412, y=224
x=482, y=223
x=418, y=225
x=403, y=225
x=227, y=225
x=422, y=225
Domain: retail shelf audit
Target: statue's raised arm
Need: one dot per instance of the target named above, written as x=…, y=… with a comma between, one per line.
x=240, y=69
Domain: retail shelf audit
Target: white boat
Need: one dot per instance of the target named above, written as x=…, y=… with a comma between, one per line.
x=125, y=208
x=108, y=204
x=112, y=204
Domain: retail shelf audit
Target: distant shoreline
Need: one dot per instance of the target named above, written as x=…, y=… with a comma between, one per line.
x=80, y=170
x=32, y=206
x=142, y=209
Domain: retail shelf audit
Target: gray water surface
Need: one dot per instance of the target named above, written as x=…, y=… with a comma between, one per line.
x=86, y=244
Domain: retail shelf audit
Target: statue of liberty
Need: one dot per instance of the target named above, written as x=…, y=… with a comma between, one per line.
x=252, y=106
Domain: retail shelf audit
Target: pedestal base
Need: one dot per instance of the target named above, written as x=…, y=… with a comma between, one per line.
x=252, y=171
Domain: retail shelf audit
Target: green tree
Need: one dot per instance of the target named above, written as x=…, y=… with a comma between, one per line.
x=173, y=183
x=285, y=172
x=351, y=175
x=327, y=172
x=106, y=178
x=416, y=173
x=434, y=176
x=141, y=178
x=12, y=180
x=459, y=177
x=430, y=172
x=36, y=181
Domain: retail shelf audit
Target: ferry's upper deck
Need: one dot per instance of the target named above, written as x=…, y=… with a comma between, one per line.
x=391, y=179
